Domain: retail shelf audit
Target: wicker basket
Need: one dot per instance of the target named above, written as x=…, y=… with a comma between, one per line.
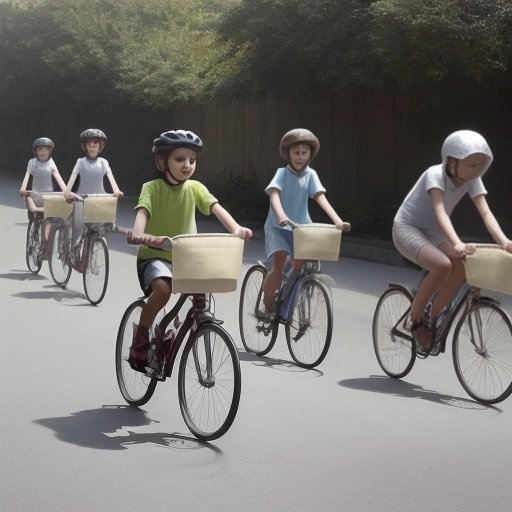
x=100, y=210
x=56, y=206
x=206, y=263
x=316, y=242
x=490, y=267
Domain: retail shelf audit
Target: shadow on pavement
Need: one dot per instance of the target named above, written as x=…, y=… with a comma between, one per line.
x=277, y=364
x=22, y=275
x=389, y=386
x=112, y=427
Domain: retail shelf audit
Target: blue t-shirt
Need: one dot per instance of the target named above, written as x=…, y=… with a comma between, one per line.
x=295, y=190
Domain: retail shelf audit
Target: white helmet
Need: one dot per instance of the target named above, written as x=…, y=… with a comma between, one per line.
x=463, y=143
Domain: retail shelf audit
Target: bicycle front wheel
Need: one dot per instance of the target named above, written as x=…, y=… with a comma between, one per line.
x=482, y=353
x=395, y=351
x=33, y=248
x=258, y=337
x=209, y=382
x=309, y=331
x=95, y=275
x=135, y=387
x=60, y=266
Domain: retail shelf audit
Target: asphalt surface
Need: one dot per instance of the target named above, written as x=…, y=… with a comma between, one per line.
x=342, y=437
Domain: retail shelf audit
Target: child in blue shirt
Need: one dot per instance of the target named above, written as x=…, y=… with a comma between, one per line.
x=289, y=192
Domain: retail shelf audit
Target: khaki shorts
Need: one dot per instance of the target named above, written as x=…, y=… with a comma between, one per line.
x=409, y=240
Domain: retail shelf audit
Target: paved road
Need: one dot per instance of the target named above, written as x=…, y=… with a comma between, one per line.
x=339, y=438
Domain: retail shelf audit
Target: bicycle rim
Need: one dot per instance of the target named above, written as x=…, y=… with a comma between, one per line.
x=309, y=331
x=135, y=387
x=258, y=337
x=60, y=267
x=95, y=276
x=209, y=382
x=396, y=355
x=482, y=353
x=33, y=248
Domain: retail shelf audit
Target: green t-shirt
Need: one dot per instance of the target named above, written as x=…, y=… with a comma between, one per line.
x=172, y=210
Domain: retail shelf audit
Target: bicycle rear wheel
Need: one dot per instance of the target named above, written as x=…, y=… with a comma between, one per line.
x=395, y=352
x=309, y=331
x=209, y=382
x=33, y=248
x=135, y=387
x=257, y=336
x=482, y=353
x=95, y=276
x=60, y=265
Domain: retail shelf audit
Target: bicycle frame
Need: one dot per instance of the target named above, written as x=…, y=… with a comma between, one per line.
x=190, y=325
x=464, y=299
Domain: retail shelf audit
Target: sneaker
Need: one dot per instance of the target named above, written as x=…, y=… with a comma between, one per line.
x=138, y=358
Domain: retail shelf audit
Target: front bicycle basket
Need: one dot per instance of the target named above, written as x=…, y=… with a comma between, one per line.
x=490, y=267
x=316, y=242
x=206, y=263
x=100, y=210
x=56, y=206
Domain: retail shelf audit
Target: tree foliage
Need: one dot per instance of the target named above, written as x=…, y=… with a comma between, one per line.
x=159, y=53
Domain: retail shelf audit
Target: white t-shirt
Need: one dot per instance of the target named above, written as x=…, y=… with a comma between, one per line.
x=417, y=210
x=41, y=174
x=91, y=175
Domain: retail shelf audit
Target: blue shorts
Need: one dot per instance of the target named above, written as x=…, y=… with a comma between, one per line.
x=148, y=270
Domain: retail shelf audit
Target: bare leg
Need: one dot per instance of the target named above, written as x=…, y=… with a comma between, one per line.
x=273, y=279
x=452, y=285
x=438, y=267
x=160, y=295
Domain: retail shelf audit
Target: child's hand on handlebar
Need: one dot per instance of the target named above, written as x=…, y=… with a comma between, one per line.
x=24, y=193
x=118, y=194
x=464, y=249
x=343, y=226
x=243, y=233
x=147, y=240
x=508, y=246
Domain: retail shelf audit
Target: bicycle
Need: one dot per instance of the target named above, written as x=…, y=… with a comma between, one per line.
x=303, y=303
x=90, y=256
x=482, y=339
x=209, y=376
x=37, y=243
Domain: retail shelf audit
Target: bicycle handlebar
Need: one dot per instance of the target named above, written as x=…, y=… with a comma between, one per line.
x=165, y=246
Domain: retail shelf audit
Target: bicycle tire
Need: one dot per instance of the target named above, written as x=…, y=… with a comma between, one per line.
x=482, y=352
x=209, y=400
x=59, y=262
x=33, y=249
x=135, y=387
x=395, y=355
x=95, y=276
x=309, y=330
x=257, y=337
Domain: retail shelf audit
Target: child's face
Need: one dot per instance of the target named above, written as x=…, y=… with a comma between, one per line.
x=181, y=164
x=300, y=155
x=92, y=148
x=43, y=153
x=469, y=168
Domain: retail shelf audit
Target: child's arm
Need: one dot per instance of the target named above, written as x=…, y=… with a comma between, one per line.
x=138, y=234
x=230, y=223
x=23, y=189
x=113, y=184
x=331, y=213
x=60, y=181
x=67, y=191
x=275, y=204
x=491, y=223
x=444, y=222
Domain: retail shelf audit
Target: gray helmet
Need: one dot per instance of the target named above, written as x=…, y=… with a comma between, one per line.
x=93, y=134
x=43, y=141
x=464, y=143
x=298, y=136
x=173, y=139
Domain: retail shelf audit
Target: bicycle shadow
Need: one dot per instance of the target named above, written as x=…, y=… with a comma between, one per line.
x=22, y=275
x=276, y=364
x=396, y=387
x=62, y=295
x=116, y=427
